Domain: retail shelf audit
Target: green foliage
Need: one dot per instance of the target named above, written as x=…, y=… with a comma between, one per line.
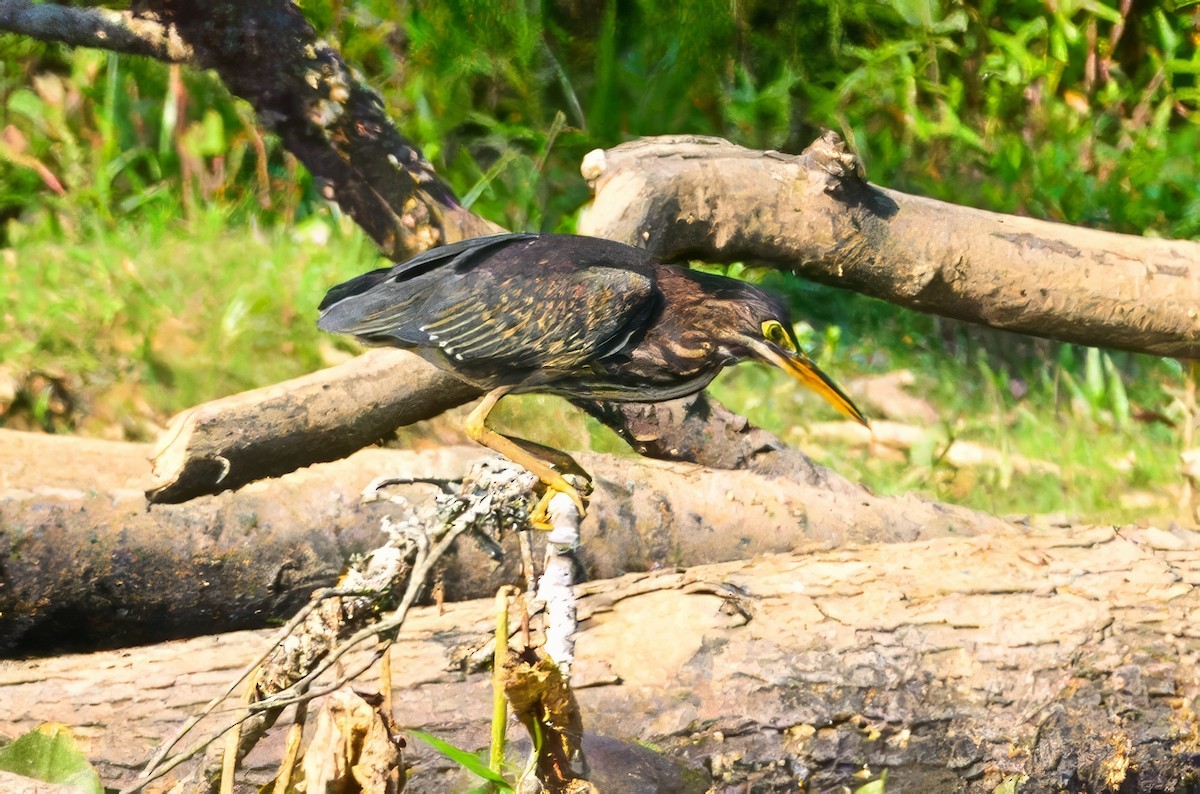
x=876, y=786
x=468, y=761
x=156, y=249
x=1070, y=112
x=50, y=754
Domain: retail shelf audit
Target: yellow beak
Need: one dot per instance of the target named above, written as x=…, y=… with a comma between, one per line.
x=801, y=367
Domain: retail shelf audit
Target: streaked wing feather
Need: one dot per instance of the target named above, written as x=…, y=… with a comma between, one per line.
x=376, y=303
x=559, y=320
x=555, y=303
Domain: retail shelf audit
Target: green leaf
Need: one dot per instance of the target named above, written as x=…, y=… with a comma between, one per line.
x=1093, y=377
x=468, y=761
x=28, y=104
x=877, y=786
x=50, y=754
x=918, y=13
x=1010, y=784
x=1118, y=400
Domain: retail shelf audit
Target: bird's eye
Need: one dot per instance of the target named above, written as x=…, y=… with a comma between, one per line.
x=776, y=334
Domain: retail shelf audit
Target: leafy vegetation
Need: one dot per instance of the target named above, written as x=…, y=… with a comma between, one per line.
x=50, y=754
x=158, y=249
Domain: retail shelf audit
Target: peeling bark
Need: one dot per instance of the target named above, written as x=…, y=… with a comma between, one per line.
x=814, y=214
x=1067, y=659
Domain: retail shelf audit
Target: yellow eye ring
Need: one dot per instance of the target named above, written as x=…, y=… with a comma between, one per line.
x=774, y=332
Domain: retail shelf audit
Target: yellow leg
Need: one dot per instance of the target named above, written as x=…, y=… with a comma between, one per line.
x=518, y=454
x=539, y=516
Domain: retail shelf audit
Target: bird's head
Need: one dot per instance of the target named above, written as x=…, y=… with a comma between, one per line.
x=755, y=324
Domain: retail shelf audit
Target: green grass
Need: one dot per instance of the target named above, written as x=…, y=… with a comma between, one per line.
x=158, y=250
x=143, y=321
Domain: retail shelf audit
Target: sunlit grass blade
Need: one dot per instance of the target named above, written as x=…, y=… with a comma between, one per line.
x=468, y=761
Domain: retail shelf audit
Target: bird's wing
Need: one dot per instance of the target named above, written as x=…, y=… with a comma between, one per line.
x=539, y=315
x=516, y=302
x=378, y=303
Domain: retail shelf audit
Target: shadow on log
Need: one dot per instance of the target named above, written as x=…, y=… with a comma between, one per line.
x=88, y=565
x=1064, y=660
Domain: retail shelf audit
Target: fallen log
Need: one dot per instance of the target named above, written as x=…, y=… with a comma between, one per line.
x=226, y=443
x=87, y=564
x=1067, y=659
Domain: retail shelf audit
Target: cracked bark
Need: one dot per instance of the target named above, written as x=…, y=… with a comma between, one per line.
x=1069, y=660
x=814, y=214
x=86, y=565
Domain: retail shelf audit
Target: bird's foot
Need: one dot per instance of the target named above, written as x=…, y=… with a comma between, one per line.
x=539, y=517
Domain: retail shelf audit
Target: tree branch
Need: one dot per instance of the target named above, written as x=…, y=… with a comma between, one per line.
x=87, y=565
x=267, y=53
x=119, y=31
x=705, y=198
x=226, y=443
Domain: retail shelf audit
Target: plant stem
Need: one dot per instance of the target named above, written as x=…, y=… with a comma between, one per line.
x=499, y=700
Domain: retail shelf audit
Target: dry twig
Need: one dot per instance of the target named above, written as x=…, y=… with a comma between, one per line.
x=495, y=496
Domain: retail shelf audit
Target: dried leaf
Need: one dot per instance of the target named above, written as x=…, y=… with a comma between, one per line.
x=354, y=749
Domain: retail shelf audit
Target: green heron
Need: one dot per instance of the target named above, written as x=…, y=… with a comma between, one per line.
x=576, y=316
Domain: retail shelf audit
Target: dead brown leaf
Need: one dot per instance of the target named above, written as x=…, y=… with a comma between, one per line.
x=355, y=748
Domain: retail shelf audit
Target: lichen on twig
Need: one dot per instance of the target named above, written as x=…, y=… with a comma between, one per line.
x=495, y=496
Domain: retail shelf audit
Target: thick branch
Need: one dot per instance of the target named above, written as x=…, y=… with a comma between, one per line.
x=706, y=198
x=119, y=31
x=227, y=443
x=1054, y=661
x=224, y=444
x=267, y=53
x=87, y=565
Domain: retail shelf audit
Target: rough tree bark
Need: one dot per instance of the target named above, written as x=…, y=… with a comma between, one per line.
x=1070, y=658
x=226, y=443
x=119, y=31
x=814, y=214
x=87, y=565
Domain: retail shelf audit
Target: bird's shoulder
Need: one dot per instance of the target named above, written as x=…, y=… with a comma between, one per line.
x=460, y=255
x=560, y=255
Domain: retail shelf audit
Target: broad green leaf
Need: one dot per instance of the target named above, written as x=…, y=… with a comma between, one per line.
x=50, y=754
x=877, y=786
